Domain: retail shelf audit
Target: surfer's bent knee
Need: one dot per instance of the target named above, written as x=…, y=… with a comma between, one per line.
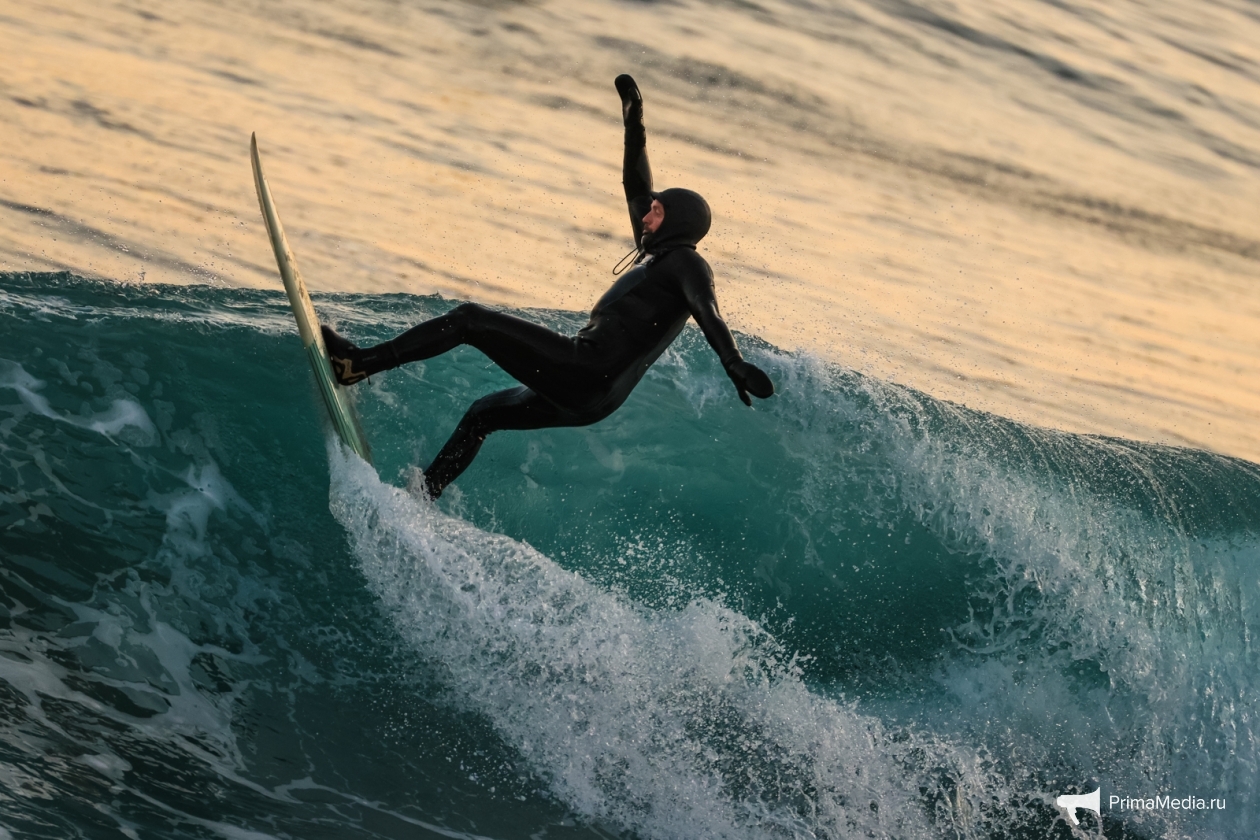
x=471, y=315
x=474, y=419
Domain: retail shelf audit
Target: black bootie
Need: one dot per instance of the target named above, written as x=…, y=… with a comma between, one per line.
x=353, y=364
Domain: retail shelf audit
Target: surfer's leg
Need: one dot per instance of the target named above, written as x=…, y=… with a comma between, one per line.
x=531, y=354
x=516, y=409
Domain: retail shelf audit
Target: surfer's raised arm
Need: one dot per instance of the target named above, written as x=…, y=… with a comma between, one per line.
x=689, y=218
x=636, y=174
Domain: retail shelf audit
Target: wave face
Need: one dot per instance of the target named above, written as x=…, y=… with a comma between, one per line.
x=853, y=612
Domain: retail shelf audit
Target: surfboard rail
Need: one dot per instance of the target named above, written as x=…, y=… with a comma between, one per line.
x=336, y=399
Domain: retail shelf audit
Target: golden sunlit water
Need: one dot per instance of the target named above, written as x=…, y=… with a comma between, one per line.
x=1044, y=210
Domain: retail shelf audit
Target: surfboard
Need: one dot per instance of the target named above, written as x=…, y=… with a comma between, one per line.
x=340, y=409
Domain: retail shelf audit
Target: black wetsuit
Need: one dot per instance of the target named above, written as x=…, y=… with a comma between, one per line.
x=578, y=380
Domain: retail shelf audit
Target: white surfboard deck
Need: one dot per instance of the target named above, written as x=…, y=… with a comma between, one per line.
x=340, y=409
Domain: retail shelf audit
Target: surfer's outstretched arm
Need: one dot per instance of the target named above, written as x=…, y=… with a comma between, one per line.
x=697, y=286
x=636, y=174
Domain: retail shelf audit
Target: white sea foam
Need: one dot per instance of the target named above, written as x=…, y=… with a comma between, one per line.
x=138, y=654
x=672, y=723
x=1106, y=642
x=122, y=416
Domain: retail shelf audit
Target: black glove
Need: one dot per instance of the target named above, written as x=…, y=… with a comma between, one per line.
x=750, y=379
x=631, y=100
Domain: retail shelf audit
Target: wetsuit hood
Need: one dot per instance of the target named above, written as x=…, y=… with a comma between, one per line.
x=687, y=220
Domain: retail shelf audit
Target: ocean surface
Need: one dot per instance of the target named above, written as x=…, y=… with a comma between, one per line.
x=1044, y=209
x=855, y=611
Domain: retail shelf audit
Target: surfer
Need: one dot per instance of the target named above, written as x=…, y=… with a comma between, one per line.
x=579, y=380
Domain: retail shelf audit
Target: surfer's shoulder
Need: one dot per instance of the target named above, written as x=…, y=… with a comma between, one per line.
x=685, y=260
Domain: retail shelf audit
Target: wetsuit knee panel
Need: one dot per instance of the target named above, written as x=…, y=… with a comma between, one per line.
x=470, y=315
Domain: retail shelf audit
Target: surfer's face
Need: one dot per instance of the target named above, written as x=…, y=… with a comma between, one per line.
x=652, y=221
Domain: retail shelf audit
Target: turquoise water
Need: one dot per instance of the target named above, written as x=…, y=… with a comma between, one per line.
x=853, y=612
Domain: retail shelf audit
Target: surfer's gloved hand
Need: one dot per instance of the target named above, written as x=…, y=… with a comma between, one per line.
x=631, y=101
x=343, y=355
x=749, y=379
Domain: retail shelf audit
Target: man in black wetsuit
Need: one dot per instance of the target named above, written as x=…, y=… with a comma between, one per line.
x=579, y=380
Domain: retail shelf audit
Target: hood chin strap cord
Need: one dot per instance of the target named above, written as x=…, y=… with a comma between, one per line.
x=627, y=261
